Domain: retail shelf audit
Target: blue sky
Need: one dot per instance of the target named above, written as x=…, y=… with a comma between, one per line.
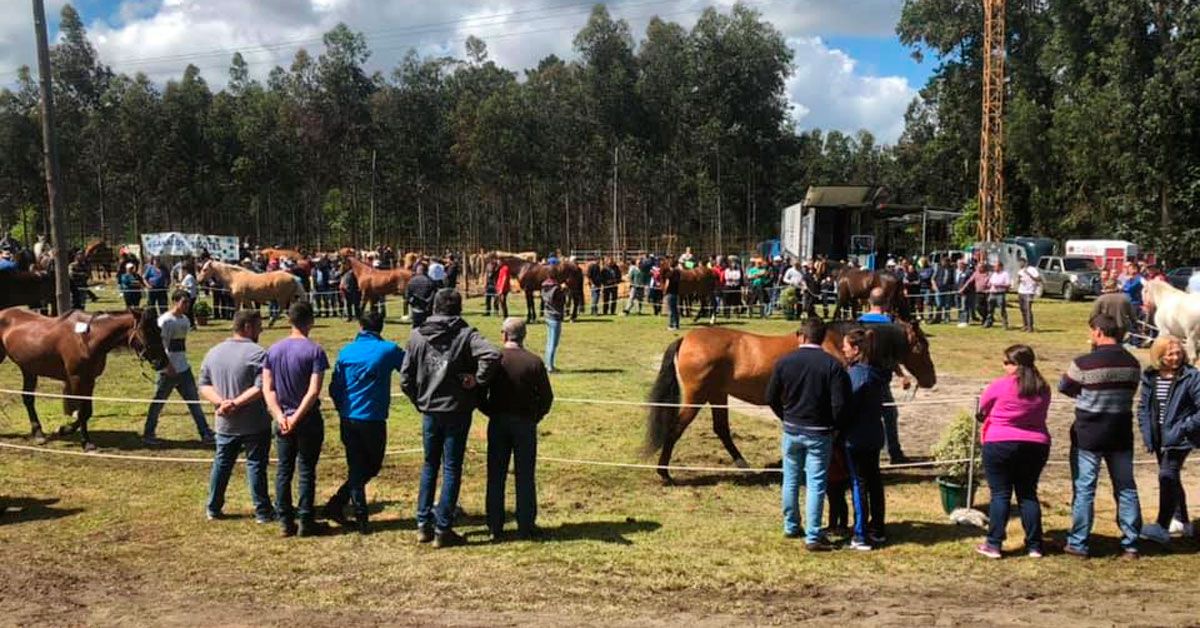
x=851, y=71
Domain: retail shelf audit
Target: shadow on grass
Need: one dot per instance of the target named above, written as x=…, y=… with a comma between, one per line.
x=108, y=439
x=593, y=371
x=23, y=509
x=928, y=533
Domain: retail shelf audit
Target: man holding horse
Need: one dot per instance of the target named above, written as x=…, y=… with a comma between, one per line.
x=808, y=391
x=177, y=373
x=878, y=315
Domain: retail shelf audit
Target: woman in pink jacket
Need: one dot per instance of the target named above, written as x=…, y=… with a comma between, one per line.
x=1016, y=445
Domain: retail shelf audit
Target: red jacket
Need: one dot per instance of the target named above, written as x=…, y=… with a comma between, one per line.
x=502, y=286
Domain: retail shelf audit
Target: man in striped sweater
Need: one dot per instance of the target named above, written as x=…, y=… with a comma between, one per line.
x=1103, y=384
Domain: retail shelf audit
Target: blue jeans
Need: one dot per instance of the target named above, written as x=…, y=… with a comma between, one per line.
x=258, y=452
x=185, y=383
x=810, y=455
x=673, y=311
x=866, y=490
x=511, y=437
x=1085, y=472
x=1014, y=466
x=595, y=300
x=300, y=447
x=445, y=442
x=553, y=334
x=966, y=305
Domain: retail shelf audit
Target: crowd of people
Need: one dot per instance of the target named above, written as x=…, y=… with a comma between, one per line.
x=830, y=412
x=273, y=396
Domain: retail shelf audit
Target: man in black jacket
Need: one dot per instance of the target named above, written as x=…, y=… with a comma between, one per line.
x=518, y=398
x=419, y=295
x=445, y=362
x=808, y=392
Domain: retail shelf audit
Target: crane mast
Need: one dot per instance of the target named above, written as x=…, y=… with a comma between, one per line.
x=991, y=137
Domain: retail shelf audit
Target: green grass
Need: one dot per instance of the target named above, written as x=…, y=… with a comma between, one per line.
x=121, y=540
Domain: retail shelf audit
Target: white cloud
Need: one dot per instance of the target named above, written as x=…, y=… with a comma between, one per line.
x=159, y=37
x=827, y=93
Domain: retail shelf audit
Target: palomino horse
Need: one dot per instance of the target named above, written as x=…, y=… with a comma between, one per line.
x=710, y=365
x=100, y=257
x=375, y=284
x=854, y=288
x=1175, y=312
x=247, y=288
x=25, y=288
x=74, y=349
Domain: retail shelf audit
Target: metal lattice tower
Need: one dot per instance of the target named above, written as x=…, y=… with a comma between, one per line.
x=991, y=137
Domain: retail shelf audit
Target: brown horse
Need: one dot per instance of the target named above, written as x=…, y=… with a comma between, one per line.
x=99, y=255
x=710, y=365
x=530, y=278
x=375, y=284
x=74, y=349
x=699, y=284
x=30, y=289
x=854, y=287
x=247, y=288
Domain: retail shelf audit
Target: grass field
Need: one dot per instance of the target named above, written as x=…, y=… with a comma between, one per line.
x=96, y=540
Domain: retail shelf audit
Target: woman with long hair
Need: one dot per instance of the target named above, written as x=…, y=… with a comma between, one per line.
x=1169, y=415
x=863, y=435
x=1016, y=445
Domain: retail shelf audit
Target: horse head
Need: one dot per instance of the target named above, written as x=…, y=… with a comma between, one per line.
x=918, y=360
x=206, y=271
x=145, y=339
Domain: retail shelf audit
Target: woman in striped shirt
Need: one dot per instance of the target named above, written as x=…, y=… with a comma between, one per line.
x=1169, y=415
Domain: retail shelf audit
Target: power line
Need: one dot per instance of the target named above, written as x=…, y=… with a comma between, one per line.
x=403, y=43
x=403, y=33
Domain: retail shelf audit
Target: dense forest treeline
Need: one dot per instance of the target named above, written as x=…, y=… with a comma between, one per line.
x=680, y=137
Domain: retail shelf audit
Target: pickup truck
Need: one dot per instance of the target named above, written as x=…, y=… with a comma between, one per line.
x=1070, y=277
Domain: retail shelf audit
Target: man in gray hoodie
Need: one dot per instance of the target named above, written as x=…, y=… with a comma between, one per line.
x=446, y=363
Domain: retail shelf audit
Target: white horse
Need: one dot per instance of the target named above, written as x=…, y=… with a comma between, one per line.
x=1175, y=312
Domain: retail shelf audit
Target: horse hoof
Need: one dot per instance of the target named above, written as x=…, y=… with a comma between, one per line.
x=741, y=463
x=89, y=447
x=39, y=438
x=666, y=480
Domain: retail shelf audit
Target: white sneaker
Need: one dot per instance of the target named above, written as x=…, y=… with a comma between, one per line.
x=1179, y=528
x=861, y=546
x=962, y=324
x=1156, y=533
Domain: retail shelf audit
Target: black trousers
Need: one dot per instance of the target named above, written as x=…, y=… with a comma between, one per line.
x=365, y=443
x=1172, y=499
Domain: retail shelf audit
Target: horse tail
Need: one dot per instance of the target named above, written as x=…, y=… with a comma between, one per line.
x=661, y=419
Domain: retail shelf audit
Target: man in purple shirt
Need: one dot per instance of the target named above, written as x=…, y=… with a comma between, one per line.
x=292, y=378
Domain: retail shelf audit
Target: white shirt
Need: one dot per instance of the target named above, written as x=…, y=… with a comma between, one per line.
x=793, y=277
x=437, y=272
x=189, y=284
x=1193, y=284
x=1027, y=280
x=733, y=277
x=999, y=282
x=175, y=328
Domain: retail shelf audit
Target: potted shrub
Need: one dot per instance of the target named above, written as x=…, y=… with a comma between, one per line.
x=201, y=311
x=958, y=444
x=788, y=302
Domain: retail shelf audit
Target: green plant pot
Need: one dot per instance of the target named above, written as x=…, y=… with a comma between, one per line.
x=954, y=495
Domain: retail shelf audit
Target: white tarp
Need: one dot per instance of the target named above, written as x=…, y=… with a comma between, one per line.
x=224, y=248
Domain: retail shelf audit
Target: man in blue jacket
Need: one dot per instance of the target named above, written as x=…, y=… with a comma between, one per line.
x=808, y=392
x=361, y=391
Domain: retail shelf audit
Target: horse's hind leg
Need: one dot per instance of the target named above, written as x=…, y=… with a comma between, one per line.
x=28, y=386
x=686, y=415
x=720, y=417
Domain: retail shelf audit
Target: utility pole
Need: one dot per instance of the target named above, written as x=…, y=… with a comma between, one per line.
x=615, y=228
x=372, y=200
x=62, y=290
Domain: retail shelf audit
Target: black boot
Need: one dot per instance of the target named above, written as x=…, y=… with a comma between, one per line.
x=335, y=511
x=448, y=538
x=288, y=527
x=311, y=527
x=364, y=528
